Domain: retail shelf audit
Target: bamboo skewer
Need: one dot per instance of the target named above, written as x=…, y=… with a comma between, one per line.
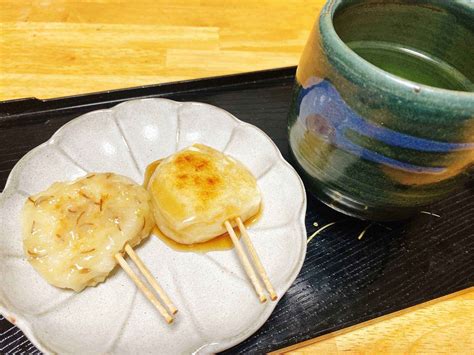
x=246, y=263
x=149, y=277
x=148, y=294
x=256, y=259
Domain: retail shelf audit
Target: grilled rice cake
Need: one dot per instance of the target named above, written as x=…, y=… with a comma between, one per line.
x=199, y=188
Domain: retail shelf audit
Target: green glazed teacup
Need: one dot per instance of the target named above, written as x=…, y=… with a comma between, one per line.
x=382, y=117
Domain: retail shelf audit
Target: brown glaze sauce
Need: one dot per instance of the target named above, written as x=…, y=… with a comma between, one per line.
x=221, y=242
x=150, y=169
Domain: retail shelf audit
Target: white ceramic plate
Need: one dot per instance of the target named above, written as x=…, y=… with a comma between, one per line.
x=217, y=304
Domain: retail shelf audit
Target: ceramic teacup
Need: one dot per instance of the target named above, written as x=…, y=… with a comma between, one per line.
x=382, y=118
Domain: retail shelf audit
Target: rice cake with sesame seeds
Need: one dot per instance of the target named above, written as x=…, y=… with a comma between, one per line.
x=72, y=230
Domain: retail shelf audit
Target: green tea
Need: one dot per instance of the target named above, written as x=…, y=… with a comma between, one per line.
x=412, y=64
x=427, y=44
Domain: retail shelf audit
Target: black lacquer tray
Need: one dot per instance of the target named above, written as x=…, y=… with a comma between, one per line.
x=345, y=280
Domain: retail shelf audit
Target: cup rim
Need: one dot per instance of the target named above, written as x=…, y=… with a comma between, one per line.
x=368, y=73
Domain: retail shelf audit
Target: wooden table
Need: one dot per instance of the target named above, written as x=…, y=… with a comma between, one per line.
x=444, y=325
x=51, y=48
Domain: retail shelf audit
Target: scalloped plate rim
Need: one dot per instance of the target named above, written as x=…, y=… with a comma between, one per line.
x=216, y=346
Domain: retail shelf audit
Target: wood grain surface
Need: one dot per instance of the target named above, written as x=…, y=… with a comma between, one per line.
x=444, y=325
x=51, y=48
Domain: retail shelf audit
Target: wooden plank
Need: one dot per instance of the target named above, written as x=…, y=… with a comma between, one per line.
x=443, y=325
x=57, y=48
